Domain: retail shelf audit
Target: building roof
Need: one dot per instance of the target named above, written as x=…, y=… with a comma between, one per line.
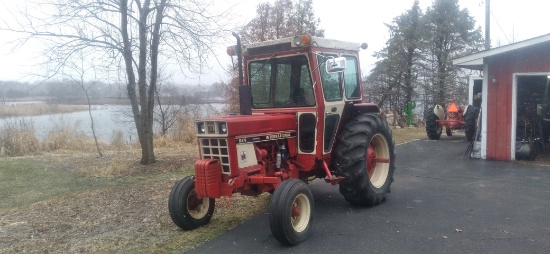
x=475, y=61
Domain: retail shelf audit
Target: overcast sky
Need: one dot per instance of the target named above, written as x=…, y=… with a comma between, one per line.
x=349, y=20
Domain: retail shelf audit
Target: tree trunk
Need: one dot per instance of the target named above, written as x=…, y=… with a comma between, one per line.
x=145, y=98
x=142, y=118
x=92, y=121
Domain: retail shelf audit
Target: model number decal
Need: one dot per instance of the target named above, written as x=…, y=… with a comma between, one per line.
x=264, y=137
x=278, y=136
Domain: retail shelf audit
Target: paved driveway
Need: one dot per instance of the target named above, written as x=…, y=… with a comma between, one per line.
x=440, y=203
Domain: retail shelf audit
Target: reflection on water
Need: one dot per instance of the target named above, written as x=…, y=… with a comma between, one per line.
x=107, y=119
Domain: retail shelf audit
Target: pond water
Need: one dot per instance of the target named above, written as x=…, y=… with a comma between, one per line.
x=107, y=120
x=11, y=103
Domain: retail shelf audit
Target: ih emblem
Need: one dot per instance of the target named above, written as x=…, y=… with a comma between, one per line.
x=243, y=156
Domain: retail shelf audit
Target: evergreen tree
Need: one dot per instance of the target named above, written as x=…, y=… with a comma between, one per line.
x=450, y=33
x=417, y=59
x=396, y=72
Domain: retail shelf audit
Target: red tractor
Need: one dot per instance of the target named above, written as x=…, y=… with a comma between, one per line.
x=302, y=118
x=455, y=118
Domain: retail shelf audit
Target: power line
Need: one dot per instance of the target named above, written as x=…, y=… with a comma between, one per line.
x=501, y=30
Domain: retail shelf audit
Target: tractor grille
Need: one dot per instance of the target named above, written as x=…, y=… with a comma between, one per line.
x=216, y=148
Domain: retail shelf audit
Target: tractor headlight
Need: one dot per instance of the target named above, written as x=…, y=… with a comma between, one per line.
x=200, y=128
x=222, y=127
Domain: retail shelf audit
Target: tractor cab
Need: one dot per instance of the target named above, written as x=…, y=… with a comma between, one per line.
x=310, y=77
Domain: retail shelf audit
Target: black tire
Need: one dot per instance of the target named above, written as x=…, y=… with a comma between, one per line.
x=291, y=212
x=186, y=210
x=448, y=131
x=365, y=139
x=470, y=119
x=433, y=129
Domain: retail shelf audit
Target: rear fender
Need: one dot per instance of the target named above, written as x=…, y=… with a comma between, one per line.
x=364, y=108
x=439, y=111
x=351, y=110
x=466, y=110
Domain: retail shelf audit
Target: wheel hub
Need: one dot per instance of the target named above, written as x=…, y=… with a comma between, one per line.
x=371, y=160
x=377, y=160
x=300, y=213
x=196, y=206
x=295, y=211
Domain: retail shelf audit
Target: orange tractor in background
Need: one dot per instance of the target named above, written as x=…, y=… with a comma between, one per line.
x=455, y=118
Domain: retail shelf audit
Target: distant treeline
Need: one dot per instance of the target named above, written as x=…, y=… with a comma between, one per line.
x=66, y=92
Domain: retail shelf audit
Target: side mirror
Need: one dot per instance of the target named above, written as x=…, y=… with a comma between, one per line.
x=335, y=65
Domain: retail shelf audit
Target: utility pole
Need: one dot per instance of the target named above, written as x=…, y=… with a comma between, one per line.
x=487, y=24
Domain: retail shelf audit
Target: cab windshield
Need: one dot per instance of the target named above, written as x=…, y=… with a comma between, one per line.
x=281, y=82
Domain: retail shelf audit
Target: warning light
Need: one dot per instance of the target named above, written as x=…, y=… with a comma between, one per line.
x=301, y=40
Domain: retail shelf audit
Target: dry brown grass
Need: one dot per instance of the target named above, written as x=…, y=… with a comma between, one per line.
x=36, y=109
x=408, y=134
x=124, y=208
x=18, y=138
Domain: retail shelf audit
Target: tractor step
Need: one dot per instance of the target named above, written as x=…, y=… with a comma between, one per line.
x=334, y=180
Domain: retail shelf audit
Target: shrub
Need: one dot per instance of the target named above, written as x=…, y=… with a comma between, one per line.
x=65, y=137
x=18, y=138
x=117, y=140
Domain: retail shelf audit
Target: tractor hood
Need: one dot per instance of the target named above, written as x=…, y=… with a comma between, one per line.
x=246, y=124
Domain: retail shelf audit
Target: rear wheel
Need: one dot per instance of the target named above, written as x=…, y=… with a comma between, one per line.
x=470, y=122
x=365, y=157
x=433, y=128
x=187, y=210
x=291, y=212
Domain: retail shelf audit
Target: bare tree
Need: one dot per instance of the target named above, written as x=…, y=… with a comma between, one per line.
x=166, y=112
x=129, y=34
x=77, y=71
x=284, y=18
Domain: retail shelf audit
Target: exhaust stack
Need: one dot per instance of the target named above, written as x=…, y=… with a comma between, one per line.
x=245, y=94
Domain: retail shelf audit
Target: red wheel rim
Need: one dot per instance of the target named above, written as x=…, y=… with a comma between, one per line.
x=378, y=160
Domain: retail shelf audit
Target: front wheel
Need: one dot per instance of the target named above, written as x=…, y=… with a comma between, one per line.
x=365, y=157
x=448, y=131
x=187, y=210
x=291, y=212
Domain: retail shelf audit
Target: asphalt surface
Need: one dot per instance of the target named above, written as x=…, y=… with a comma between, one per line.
x=440, y=203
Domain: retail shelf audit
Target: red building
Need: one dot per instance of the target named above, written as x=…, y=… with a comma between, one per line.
x=515, y=86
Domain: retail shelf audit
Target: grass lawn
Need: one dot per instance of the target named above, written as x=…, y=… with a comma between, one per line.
x=81, y=203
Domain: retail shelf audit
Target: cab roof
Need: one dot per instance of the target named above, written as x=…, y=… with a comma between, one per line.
x=286, y=44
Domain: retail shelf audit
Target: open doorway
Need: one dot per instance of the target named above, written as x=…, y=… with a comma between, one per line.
x=532, y=130
x=475, y=91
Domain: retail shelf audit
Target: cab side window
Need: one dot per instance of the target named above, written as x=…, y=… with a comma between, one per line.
x=351, y=78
